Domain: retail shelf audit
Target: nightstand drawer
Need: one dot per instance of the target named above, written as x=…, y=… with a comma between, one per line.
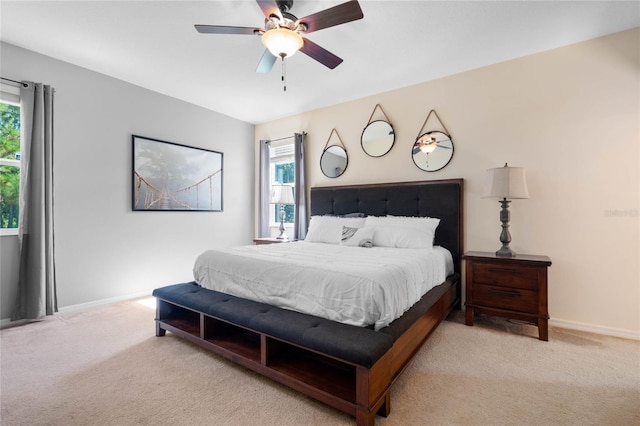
x=513, y=299
x=505, y=275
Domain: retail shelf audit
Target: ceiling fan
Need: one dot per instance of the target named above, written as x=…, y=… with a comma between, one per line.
x=282, y=31
x=427, y=143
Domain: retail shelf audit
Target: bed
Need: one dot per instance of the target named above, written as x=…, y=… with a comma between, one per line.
x=348, y=366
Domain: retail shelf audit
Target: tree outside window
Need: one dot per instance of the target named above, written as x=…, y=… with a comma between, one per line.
x=282, y=172
x=285, y=174
x=9, y=165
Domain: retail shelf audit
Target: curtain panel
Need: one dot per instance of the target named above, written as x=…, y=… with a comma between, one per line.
x=36, y=281
x=263, y=194
x=302, y=209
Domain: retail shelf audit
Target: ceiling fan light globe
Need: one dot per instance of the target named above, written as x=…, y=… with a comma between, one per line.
x=428, y=148
x=282, y=42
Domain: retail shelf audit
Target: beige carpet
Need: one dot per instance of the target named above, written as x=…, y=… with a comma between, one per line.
x=106, y=367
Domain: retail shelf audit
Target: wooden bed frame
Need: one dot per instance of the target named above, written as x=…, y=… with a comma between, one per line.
x=361, y=391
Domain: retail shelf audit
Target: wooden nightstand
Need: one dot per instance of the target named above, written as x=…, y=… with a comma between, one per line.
x=269, y=240
x=509, y=287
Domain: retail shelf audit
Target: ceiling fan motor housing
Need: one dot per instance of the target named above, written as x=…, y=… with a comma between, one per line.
x=288, y=21
x=284, y=5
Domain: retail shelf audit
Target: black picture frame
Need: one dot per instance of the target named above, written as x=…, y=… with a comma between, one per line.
x=168, y=176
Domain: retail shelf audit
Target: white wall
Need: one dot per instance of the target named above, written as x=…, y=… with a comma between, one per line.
x=104, y=250
x=570, y=117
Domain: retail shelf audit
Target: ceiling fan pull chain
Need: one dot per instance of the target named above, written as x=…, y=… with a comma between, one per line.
x=284, y=75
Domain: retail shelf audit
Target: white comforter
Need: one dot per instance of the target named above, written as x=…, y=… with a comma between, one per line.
x=352, y=285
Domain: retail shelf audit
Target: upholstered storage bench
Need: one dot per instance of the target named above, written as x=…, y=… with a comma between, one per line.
x=353, y=344
x=350, y=368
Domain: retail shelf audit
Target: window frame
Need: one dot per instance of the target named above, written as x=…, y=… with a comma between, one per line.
x=10, y=95
x=274, y=209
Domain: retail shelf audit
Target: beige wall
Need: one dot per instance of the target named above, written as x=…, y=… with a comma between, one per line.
x=571, y=117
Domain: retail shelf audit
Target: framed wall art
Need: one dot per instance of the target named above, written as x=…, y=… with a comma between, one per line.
x=172, y=177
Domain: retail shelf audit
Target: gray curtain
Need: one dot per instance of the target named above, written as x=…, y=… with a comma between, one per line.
x=36, y=281
x=263, y=196
x=301, y=212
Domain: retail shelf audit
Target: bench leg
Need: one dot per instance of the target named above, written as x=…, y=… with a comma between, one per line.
x=368, y=418
x=385, y=409
x=364, y=418
x=159, y=330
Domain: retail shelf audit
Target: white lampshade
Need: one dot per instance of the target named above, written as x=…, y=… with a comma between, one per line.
x=505, y=182
x=282, y=42
x=282, y=194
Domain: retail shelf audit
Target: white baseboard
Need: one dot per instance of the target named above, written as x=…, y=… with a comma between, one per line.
x=597, y=329
x=571, y=325
x=102, y=302
x=6, y=322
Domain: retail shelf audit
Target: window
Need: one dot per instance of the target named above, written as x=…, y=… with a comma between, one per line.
x=282, y=170
x=9, y=161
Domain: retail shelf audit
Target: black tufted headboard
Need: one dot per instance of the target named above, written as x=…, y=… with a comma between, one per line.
x=436, y=198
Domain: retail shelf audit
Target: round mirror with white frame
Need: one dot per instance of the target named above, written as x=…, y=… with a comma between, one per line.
x=377, y=138
x=334, y=161
x=432, y=151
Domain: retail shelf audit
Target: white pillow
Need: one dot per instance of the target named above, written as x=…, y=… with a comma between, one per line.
x=425, y=224
x=328, y=229
x=357, y=237
x=403, y=231
x=402, y=237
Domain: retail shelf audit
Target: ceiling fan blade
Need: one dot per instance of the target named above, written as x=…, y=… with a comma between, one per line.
x=269, y=7
x=320, y=54
x=221, y=29
x=340, y=14
x=266, y=62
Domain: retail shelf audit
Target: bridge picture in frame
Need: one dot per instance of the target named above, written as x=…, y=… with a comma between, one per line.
x=171, y=177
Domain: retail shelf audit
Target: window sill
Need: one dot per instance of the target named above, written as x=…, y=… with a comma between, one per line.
x=6, y=232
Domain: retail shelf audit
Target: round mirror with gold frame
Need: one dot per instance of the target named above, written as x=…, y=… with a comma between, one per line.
x=432, y=151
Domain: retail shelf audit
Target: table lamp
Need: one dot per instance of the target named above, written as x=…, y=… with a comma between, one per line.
x=507, y=183
x=283, y=195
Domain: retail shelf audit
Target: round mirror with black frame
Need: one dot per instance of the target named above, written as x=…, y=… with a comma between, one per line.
x=334, y=161
x=432, y=151
x=377, y=138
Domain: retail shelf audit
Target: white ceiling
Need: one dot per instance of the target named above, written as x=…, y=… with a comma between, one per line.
x=153, y=44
